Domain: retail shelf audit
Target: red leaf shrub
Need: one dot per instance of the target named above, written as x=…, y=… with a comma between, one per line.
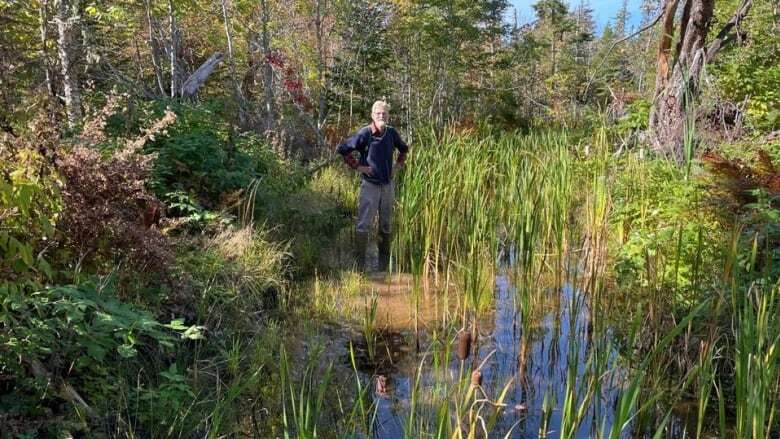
x=109, y=214
x=740, y=178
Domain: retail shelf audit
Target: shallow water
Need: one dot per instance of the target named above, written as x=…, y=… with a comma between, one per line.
x=544, y=372
x=545, y=338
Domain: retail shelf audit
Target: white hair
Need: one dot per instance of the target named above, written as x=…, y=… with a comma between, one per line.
x=380, y=104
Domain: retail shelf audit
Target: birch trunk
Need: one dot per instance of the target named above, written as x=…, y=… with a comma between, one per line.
x=44, y=17
x=237, y=94
x=320, y=74
x=268, y=73
x=72, y=94
x=174, y=48
x=155, y=51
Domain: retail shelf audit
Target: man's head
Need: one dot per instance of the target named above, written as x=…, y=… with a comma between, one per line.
x=380, y=114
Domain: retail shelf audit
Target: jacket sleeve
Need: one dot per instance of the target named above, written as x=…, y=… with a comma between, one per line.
x=356, y=142
x=402, y=147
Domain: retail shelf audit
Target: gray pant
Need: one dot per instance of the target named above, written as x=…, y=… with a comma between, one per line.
x=376, y=198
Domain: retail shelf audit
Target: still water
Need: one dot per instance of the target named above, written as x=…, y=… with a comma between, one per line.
x=529, y=353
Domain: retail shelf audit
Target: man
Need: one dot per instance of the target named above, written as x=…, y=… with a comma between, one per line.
x=375, y=144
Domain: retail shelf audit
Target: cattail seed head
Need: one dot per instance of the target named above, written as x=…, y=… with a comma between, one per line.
x=464, y=345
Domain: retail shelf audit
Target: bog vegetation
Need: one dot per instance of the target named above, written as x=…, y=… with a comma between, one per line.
x=586, y=229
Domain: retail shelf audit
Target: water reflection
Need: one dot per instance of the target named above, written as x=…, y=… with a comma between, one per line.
x=526, y=344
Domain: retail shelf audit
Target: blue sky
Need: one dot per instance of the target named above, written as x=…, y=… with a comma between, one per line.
x=603, y=11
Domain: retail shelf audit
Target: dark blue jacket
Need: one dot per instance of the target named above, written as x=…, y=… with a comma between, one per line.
x=376, y=150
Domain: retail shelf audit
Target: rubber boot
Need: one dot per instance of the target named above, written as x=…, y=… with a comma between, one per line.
x=361, y=240
x=383, y=245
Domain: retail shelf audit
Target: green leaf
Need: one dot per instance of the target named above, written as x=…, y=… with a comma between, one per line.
x=177, y=325
x=95, y=351
x=193, y=333
x=127, y=351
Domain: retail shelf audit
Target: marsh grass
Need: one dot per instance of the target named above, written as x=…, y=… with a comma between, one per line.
x=302, y=402
x=369, y=324
x=756, y=362
x=472, y=202
x=466, y=195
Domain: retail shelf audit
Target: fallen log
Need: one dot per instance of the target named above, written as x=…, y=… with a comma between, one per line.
x=197, y=79
x=66, y=391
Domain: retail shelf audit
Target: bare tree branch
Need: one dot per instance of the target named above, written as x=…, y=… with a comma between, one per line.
x=720, y=40
x=606, y=55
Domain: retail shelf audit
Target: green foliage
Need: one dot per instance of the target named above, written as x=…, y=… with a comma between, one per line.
x=29, y=207
x=308, y=212
x=199, y=157
x=750, y=71
x=189, y=210
x=165, y=406
x=203, y=165
x=636, y=117
x=665, y=234
x=79, y=330
x=756, y=79
x=760, y=251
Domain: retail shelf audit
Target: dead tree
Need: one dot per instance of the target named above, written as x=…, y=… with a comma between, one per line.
x=191, y=86
x=677, y=83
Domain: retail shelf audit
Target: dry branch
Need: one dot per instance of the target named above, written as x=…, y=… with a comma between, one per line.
x=721, y=39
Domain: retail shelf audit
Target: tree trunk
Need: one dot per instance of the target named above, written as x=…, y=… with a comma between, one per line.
x=155, y=51
x=174, y=47
x=248, y=81
x=46, y=61
x=320, y=74
x=65, y=18
x=197, y=79
x=677, y=86
x=662, y=65
x=407, y=103
x=268, y=73
x=238, y=95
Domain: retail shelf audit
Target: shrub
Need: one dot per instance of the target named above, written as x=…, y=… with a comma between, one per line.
x=30, y=204
x=751, y=188
x=199, y=156
x=109, y=214
x=749, y=71
x=636, y=117
x=667, y=235
x=68, y=337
